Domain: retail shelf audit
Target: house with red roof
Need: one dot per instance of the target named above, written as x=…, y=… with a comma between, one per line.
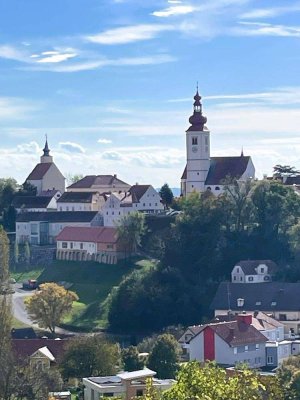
x=203, y=172
x=89, y=243
x=229, y=343
x=40, y=353
x=45, y=175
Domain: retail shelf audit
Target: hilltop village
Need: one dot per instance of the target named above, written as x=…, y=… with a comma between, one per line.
x=212, y=275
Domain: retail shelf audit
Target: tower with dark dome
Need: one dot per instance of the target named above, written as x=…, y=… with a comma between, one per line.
x=197, y=151
x=203, y=172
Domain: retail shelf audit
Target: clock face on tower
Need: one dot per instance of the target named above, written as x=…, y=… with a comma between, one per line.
x=194, y=149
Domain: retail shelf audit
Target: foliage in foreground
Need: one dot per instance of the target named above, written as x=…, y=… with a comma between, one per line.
x=210, y=382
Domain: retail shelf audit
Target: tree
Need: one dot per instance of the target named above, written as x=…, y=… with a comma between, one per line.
x=284, y=170
x=289, y=377
x=131, y=229
x=210, y=382
x=49, y=305
x=16, y=252
x=164, y=356
x=4, y=260
x=73, y=178
x=8, y=188
x=131, y=359
x=90, y=356
x=27, y=252
x=27, y=189
x=166, y=195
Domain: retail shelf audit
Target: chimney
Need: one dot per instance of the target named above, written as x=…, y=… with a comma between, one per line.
x=245, y=318
x=240, y=302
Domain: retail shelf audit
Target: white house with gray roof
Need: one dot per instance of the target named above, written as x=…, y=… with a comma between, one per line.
x=203, y=172
x=278, y=299
x=99, y=183
x=142, y=198
x=253, y=271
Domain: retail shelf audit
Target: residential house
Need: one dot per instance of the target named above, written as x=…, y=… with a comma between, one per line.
x=45, y=175
x=278, y=299
x=253, y=271
x=142, y=198
x=42, y=228
x=99, y=183
x=127, y=385
x=203, y=172
x=93, y=243
x=41, y=353
x=229, y=343
x=272, y=329
x=81, y=201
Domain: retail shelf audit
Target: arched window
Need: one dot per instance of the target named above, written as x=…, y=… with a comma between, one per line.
x=208, y=188
x=217, y=188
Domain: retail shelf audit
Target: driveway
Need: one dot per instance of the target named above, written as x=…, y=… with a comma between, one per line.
x=19, y=310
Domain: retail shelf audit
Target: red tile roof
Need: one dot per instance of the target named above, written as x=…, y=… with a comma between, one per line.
x=137, y=192
x=38, y=171
x=235, y=333
x=100, y=234
x=24, y=348
x=97, y=180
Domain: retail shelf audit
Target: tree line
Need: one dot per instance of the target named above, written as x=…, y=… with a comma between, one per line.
x=250, y=220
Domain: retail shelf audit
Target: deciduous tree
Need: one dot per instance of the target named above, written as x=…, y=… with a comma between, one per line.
x=164, y=356
x=131, y=229
x=131, y=359
x=49, y=305
x=166, y=195
x=90, y=356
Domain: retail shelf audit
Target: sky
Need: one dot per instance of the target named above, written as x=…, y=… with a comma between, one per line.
x=111, y=83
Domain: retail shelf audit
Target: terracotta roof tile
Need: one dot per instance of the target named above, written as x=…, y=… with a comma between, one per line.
x=222, y=167
x=101, y=234
x=96, y=180
x=38, y=171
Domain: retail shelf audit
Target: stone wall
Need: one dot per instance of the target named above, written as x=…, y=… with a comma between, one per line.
x=39, y=255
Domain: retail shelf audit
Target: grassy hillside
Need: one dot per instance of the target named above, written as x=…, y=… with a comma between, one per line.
x=91, y=281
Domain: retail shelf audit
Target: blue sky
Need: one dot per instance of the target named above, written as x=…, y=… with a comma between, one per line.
x=111, y=82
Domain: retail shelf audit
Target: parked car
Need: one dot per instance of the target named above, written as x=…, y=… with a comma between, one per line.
x=31, y=284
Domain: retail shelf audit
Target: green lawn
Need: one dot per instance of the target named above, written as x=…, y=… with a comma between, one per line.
x=91, y=281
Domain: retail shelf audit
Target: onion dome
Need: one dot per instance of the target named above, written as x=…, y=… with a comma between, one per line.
x=197, y=120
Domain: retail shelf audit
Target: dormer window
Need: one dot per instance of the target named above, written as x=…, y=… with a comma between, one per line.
x=194, y=140
x=262, y=270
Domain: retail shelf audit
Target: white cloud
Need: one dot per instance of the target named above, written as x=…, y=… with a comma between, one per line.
x=270, y=12
x=96, y=64
x=104, y=141
x=11, y=53
x=174, y=11
x=266, y=29
x=57, y=58
x=71, y=147
x=129, y=34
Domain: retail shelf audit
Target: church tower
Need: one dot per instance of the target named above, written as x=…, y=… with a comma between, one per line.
x=197, y=151
x=46, y=158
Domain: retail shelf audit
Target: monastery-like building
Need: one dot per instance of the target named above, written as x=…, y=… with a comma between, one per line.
x=203, y=172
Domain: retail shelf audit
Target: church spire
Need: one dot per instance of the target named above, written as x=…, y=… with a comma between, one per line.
x=46, y=158
x=46, y=149
x=197, y=120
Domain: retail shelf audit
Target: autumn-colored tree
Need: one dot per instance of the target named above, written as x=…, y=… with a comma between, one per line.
x=49, y=305
x=210, y=382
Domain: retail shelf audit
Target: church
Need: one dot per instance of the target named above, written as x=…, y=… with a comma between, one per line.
x=46, y=176
x=203, y=172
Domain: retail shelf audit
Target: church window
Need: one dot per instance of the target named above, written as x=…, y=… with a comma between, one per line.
x=217, y=188
x=194, y=140
x=149, y=204
x=206, y=141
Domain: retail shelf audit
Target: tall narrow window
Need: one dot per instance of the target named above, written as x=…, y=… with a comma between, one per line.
x=194, y=140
